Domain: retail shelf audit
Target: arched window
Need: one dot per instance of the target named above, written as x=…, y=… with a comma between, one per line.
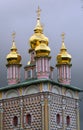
x=68, y=120
x=58, y=118
x=15, y=121
x=28, y=119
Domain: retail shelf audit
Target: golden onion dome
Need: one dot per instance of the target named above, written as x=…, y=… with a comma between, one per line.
x=42, y=50
x=38, y=38
x=63, y=57
x=38, y=35
x=13, y=57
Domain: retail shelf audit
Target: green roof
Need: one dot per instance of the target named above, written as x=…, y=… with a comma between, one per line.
x=36, y=81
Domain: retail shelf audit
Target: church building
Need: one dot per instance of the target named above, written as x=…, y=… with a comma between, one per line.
x=39, y=102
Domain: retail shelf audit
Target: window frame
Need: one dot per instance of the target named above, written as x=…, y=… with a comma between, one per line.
x=68, y=120
x=15, y=121
x=58, y=118
x=28, y=119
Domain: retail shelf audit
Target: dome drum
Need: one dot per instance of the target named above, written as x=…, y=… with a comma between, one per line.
x=13, y=61
x=41, y=53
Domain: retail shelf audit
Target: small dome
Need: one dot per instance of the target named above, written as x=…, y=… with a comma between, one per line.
x=13, y=57
x=63, y=57
x=42, y=50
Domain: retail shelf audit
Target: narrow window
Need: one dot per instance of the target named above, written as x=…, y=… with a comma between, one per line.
x=34, y=73
x=58, y=118
x=29, y=74
x=68, y=120
x=28, y=119
x=15, y=121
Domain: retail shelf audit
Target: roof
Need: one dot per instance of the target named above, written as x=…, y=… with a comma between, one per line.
x=36, y=81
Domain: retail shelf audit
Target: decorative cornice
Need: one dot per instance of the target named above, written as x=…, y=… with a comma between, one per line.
x=38, y=81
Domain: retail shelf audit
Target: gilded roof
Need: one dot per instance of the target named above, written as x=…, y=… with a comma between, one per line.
x=13, y=57
x=63, y=57
x=38, y=35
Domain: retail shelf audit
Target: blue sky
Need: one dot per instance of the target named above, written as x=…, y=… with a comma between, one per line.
x=57, y=16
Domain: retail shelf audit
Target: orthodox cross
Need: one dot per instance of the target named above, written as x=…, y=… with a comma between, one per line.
x=13, y=36
x=63, y=36
x=38, y=12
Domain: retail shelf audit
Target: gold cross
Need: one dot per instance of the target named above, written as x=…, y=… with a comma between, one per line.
x=38, y=12
x=13, y=35
x=63, y=36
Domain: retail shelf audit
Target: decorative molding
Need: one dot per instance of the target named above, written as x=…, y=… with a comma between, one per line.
x=69, y=93
x=55, y=89
x=11, y=93
x=31, y=90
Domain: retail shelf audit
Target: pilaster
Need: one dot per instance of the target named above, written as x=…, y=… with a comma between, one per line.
x=1, y=116
x=13, y=73
x=45, y=104
x=77, y=116
x=49, y=113
x=43, y=67
x=64, y=73
x=63, y=114
x=21, y=114
x=42, y=105
x=46, y=114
